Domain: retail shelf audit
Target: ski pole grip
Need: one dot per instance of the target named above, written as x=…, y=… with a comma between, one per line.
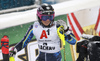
x=5, y=44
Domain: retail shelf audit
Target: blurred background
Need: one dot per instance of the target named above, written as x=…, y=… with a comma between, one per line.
x=17, y=15
x=7, y=6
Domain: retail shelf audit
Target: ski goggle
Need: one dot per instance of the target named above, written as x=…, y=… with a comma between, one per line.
x=45, y=17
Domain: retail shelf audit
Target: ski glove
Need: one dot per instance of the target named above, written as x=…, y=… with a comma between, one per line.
x=12, y=52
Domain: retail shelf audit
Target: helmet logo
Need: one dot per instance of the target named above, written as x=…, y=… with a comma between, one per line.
x=48, y=8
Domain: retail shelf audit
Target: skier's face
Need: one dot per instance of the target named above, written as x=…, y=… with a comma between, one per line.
x=46, y=23
x=46, y=19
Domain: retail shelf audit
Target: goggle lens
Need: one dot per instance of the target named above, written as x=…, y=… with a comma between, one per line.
x=45, y=17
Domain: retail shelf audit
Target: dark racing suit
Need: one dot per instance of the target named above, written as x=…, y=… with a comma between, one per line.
x=48, y=41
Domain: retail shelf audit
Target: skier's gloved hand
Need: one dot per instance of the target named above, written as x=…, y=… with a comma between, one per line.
x=63, y=23
x=12, y=52
x=66, y=28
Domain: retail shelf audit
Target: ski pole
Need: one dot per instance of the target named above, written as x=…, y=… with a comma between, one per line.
x=62, y=37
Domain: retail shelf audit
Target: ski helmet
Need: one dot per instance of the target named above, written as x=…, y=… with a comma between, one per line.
x=44, y=12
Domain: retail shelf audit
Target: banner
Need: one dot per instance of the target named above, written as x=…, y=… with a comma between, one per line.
x=74, y=24
x=97, y=26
